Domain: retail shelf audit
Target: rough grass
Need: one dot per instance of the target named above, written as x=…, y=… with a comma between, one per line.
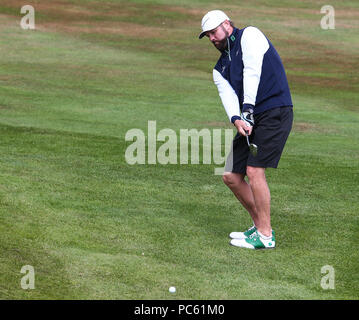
x=95, y=227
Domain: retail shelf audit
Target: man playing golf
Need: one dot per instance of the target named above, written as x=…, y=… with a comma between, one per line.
x=254, y=90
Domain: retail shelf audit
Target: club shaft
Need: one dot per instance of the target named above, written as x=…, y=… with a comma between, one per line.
x=248, y=141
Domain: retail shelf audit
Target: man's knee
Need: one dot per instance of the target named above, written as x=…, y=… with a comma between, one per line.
x=230, y=178
x=255, y=173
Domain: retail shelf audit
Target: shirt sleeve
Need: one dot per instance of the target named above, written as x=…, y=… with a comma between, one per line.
x=228, y=96
x=254, y=46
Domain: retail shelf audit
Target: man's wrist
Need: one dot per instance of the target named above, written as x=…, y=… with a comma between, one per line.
x=234, y=118
x=247, y=106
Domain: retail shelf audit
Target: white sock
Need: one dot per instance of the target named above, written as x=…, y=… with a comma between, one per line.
x=263, y=236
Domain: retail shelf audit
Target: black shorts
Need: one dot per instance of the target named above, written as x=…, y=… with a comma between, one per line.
x=270, y=132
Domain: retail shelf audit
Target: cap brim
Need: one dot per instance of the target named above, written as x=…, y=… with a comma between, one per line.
x=202, y=34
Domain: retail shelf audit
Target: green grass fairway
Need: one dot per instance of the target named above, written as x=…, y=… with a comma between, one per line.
x=95, y=227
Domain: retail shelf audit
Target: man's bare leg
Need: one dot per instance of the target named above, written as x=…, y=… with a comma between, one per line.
x=243, y=192
x=261, y=194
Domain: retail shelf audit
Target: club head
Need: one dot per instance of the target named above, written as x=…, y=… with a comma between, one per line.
x=253, y=149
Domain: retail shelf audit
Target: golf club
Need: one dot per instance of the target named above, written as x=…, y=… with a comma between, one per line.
x=252, y=147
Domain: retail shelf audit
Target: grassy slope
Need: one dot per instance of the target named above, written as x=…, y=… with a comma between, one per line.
x=96, y=228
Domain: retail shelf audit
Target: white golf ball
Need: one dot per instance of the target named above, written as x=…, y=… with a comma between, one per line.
x=172, y=289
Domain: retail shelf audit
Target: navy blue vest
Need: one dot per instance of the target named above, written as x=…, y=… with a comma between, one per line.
x=273, y=90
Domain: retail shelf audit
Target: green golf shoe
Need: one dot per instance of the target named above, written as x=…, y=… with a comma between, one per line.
x=255, y=241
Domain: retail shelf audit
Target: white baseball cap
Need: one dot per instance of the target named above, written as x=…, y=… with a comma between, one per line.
x=212, y=20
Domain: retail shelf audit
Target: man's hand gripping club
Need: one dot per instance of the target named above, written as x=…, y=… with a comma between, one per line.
x=245, y=125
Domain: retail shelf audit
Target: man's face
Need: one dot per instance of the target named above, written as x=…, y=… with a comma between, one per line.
x=218, y=37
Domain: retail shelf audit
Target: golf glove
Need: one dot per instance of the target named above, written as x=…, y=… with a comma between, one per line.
x=248, y=118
